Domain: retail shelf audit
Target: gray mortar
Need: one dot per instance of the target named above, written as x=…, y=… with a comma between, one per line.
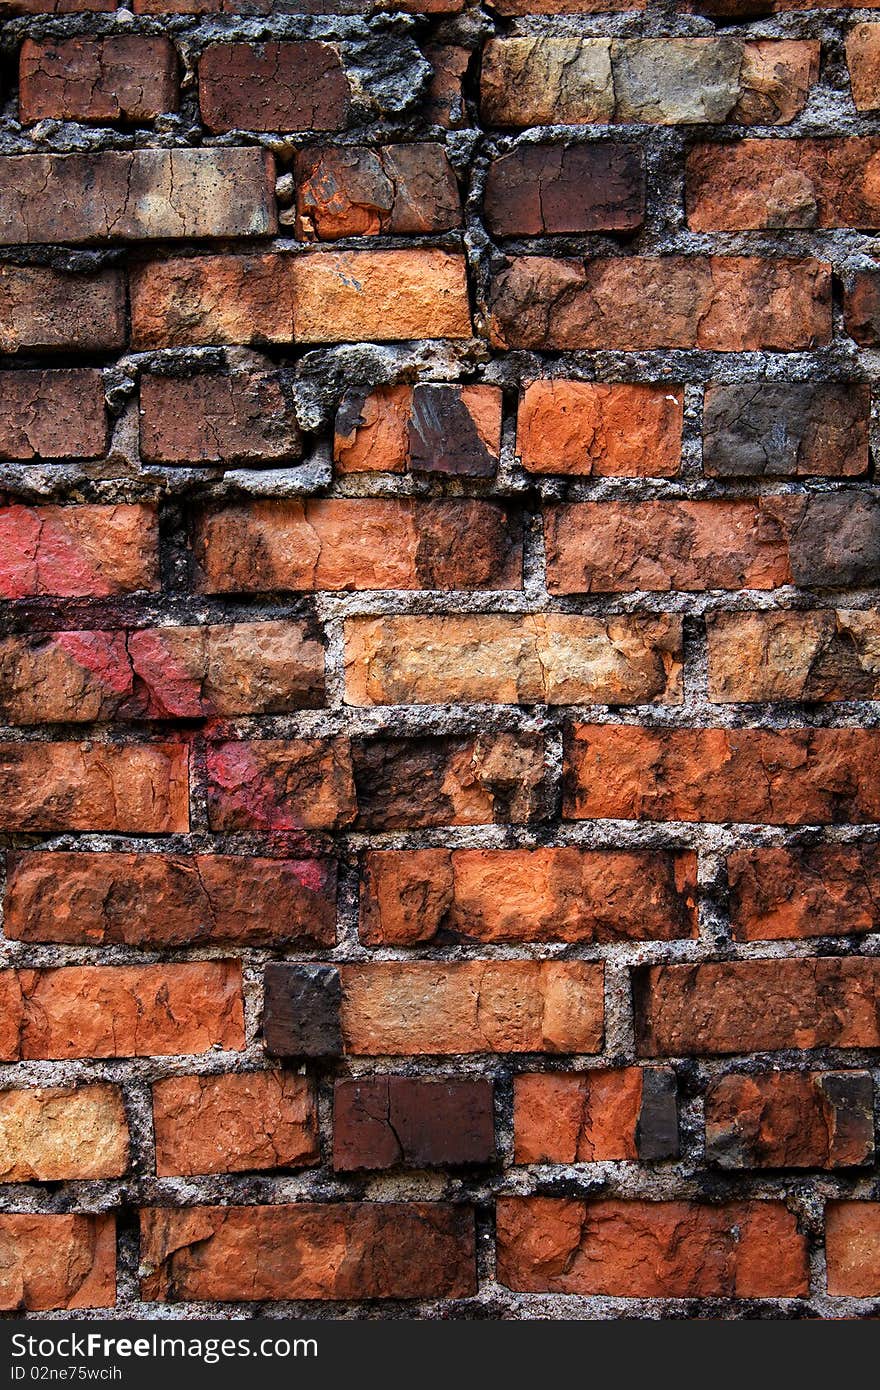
x=384, y=61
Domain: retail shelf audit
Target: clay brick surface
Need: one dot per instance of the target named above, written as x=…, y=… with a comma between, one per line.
x=63, y=1262
x=784, y=183
x=234, y=1123
x=828, y=654
x=73, y=550
x=543, y=189
x=565, y=894
x=42, y=308
x=590, y=430
x=386, y=1121
x=125, y=78
x=48, y=1134
x=589, y=1116
x=272, y=86
x=52, y=414
x=784, y=894
x=169, y=900
x=766, y=431
x=138, y=788
x=791, y=777
x=355, y=191
x=651, y=1249
x=245, y=417
x=345, y=1251
x=791, y=1120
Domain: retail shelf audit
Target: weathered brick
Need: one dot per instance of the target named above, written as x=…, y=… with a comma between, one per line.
x=450, y=780
x=234, y=1123
x=544, y=659
x=785, y=777
x=134, y=788
x=357, y=543
x=51, y=1262
x=718, y=303
x=137, y=194
x=372, y=430
x=560, y=894
x=544, y=81
x=592, y=429
x=756, y=1006
x=122, y=1010
x=392, y=1121
x=52, y=414
x=401, y=1008
x=78, y=550
x=641, y=1249
x=852, y=1248
x=326, y=296
x=586, y=1117
x=356, y=296
x=170, y=899
x=761, y=429
x=445, y=103
x=607, y=547
x=355, y=191
x=219, y=670
x=48, y=310
x=455, y=430
x=344, y=1250
x=861, y=307
x=527, y=7
x=176, y=302
x=826, y=540
x=545, y=189
x=784, y=183
x=298, y=784
x=125, y=77
x=239, y=417
x=787, y=1119
x=49, y=1134
x=824, y=654
x=548, y=80
x=863, y=61
x=272, y=86
x=301, y=1010
x=817, y=890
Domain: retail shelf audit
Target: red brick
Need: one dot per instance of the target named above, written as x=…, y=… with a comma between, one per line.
x=345, y=1250
x=300, y=784
x=560, y=894
x=861, y=306
x=789, y=777
x=240, y=417
x=52, y=415
x=128, y=77
x=234, y=1123
x=820, y=890
x=78, y=550
x=170, y=899
x=49, y=1262
x=357, y=543
x=382, y=296
x=863, y=61
x=756, y=1006
x=135, y=788
x=417, y=1122
x=787, y=1119
x=592, y=429
x=784, y=183
x=351, y=190
x=272, y=86
x=49, y=310
x=372, y=430
x=852, y=1248
x=821, y=654
x=122, y=1010
x=639, y=1249
x=136, y=194
x=717, y=303
x=402, y=1008
x=591, y=1116
x=445, y=104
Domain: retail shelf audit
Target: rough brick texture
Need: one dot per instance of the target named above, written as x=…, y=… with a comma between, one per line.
x=439, y=659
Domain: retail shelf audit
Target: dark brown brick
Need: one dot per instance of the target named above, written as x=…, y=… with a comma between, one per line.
x=391, y=1121
x=243, y=417
x=787, y=1119
x=301, y=1010
x=272, y=86
x=760, y=429
x=52, y=414
x=455, y=429
x=123, y=77
x=543, y=189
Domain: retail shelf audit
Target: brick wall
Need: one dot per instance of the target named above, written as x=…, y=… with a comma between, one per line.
x=440, y=763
